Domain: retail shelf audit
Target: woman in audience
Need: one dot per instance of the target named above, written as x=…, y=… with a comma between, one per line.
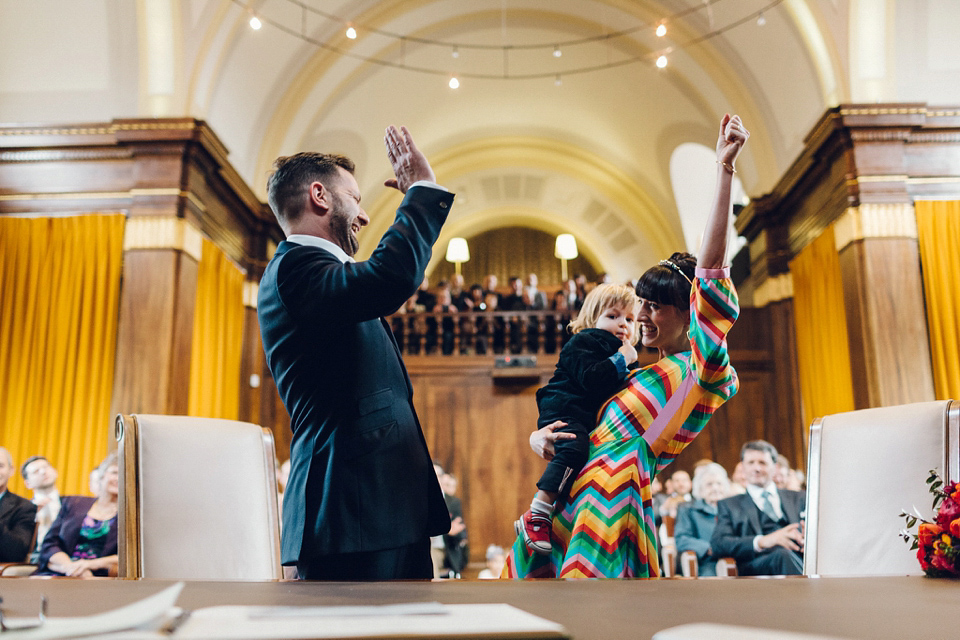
x=696, y=520
x=606, y=527
x=82, y=541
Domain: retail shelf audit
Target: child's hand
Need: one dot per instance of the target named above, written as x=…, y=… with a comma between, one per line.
x=629, y=352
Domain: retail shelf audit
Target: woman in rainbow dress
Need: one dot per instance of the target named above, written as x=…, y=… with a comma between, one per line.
x=605, y=529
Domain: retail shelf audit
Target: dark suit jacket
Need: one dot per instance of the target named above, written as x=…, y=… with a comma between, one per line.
x=738, y=523
x=361, y=478
x=17, y=522
x=64, y=533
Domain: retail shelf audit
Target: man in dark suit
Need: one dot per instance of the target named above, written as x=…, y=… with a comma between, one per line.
x=761, y=528
x=17, y=516
x=362, y=499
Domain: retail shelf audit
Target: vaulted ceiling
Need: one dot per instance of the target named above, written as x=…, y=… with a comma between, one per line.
x=581, y=142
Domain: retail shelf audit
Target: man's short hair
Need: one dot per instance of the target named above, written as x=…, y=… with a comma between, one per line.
x=23, y=467
x=759, y=445
x=292, y=176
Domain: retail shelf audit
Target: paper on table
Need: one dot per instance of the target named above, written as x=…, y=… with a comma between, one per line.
x=152, y=609
x=457, y=620
x=405, y=609
x=712, y=631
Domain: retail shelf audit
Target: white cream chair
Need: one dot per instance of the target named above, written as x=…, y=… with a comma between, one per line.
x=198, y=499
x=865, y=467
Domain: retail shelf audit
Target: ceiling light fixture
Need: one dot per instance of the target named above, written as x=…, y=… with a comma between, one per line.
x=456, y=52
x=351, y=32
x=556, y=52
x=661, y=30
x=661, y=62
x=255, y=23
x=761, y=19
x=454, y=83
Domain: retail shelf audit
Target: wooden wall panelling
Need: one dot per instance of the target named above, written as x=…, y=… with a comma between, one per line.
x=889, y=345
x=155, y=332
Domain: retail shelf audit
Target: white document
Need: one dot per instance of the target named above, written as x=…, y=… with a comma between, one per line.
x=414, y=620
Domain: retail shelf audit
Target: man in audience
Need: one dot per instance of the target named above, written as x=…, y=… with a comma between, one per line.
x=456, y=547
x=536, y=299
x=40, y=477
x=761, y=528
x=361, y=502
x=490, y=287
x=458, y=294
x=17, y=516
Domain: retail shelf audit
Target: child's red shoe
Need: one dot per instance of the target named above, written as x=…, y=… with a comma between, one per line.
x=535, y=529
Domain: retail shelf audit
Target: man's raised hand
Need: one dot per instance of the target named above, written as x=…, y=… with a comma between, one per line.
x=408, y=162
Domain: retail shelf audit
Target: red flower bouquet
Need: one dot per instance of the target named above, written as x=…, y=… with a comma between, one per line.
x=938, y=542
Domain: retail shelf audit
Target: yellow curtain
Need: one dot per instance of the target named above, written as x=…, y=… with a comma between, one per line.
x=217, y=337
x=59, y=301
x=938, y=233
x=823, y=349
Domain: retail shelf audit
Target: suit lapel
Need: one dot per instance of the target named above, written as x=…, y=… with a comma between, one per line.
x=753, y=513
x=396, y=348
x=789, y=506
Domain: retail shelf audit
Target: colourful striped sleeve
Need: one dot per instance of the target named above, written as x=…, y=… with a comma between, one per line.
x=713, y=309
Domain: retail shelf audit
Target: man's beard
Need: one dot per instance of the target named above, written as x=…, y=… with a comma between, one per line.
x=340, y=225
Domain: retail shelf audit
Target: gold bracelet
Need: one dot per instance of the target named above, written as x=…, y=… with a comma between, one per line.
x=727, y=166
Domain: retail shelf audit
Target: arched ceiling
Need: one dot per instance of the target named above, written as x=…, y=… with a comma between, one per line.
x=588, y=155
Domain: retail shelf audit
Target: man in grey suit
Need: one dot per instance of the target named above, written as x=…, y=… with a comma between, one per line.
x=362, y=499
x=761, y=528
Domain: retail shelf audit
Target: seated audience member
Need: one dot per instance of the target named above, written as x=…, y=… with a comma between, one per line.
x=17, y=516
x=425, y=298
x=514, y=301
x=738, y=483
x=456, y=545
x=536, y=299
x=40, y=477
x=681, y=485
x=784, y=477
x=495, y=561
x=82, y=542
x=761, y=528
x=696, y=520
x=93, y=482
x=458, y=294
x=444, y=305
x=490, y=288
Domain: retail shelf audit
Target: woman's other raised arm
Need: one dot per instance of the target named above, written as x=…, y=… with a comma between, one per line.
x=713, y=250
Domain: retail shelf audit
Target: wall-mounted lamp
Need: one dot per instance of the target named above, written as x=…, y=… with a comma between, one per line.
x=458, y=252
x=566, y=249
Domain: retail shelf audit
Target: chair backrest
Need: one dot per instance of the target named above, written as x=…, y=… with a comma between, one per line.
x=198, y=499
x=866, y=467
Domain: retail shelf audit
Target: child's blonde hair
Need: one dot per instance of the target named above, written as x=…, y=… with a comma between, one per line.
x=601, y=298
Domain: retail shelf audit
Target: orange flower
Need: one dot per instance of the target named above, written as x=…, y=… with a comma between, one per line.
x=955, y=528
x=928, y=532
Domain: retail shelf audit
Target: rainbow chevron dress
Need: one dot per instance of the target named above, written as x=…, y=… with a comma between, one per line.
x=606, y=528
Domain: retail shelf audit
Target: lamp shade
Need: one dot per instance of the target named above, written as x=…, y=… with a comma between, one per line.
x=457, y=250
x=566, y=248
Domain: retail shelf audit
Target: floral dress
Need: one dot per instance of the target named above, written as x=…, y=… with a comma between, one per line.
x=605, y=529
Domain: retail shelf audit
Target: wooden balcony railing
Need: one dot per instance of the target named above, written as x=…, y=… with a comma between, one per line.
x=481, y=332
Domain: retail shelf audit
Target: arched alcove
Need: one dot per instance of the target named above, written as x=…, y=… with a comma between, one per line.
x=513, y=251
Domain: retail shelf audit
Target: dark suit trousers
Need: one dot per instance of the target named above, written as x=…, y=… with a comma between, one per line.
x=411, y=562
x=778, y=561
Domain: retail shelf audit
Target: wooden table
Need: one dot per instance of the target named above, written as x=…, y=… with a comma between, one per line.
x=897, y=607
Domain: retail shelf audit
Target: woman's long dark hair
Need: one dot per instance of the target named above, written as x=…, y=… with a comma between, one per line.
x=662, y=284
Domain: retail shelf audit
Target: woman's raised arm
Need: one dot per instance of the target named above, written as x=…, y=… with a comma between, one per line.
x=733, y=135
